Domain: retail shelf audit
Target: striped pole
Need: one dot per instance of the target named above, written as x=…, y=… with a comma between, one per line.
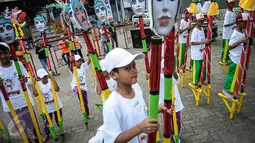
x=19, y=35
x=242, y=60
x=252, y=14
x=155, y=68
x=24, y=88
x=187, y=45
x=107, y=37
x=97, y=67
x=168, y=83
x=13, y=113
x=60, y=120
x=85, y=120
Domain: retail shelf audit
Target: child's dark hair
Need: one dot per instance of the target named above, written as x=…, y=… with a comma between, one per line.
x=115, y=70
x=3, y=48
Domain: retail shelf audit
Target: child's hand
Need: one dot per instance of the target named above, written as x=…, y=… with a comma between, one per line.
x=34, y=81
x=207, y=41
x=245, y=39
x=201, y=50
x=23, y=79
x=148, y=126
x=147, y=76
x=162, y=108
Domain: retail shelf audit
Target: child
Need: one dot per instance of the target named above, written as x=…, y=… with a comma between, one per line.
x=197, y=46
x=103, y=40
x=125, y=112
x=235, y=47
x=228, y=28
x=178, y=102
x=46, y=89
x=20, y=56
x=81, y=69
x=112, y=84
x=11, y=81
x=184, y=27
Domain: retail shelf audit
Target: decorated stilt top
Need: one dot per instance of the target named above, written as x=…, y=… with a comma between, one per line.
x=84, y=25
x=40, y=25
x=139, y=9
x=101, y=13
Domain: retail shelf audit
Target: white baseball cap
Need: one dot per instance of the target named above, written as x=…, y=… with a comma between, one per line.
x=119, y=57
x=4, y=45
x=77, y=57
x=41, y=73
x=103, y=65
x=230, y=1
x=200, y=17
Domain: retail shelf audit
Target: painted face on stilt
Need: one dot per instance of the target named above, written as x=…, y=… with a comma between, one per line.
x=138, y=6
x=164, y=15
x=7, y=33
x=67, y=13
x=80, y=15
x=40, y=23
x=100, y=10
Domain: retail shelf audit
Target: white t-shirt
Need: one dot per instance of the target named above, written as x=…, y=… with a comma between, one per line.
x=46, y=90
x=103, y=38
x=178, y=103
x=82, y=76
x=230, y=17
x=197, y=36
x=112, y=85
x=183, y=37
x=13, y=87
x=120, y=114
x=235, y=54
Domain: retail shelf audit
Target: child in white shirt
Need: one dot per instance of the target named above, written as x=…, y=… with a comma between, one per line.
x=125, y=112
x=81, y=70
x=46, y=89
x=197, y=46
x=112, y=84
x=228, y=28
x=236, y=43
x=11, y=82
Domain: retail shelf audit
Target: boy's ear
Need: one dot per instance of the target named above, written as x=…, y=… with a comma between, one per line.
x=114, y=75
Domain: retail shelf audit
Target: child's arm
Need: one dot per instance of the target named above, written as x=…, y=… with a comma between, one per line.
x=35, y=93
x=146, y=126
x=230, y=47
x=201, y=43
x=55, y=84
x=98, y=88
x=230, y=24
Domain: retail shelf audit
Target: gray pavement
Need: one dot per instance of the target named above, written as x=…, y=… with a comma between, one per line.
x=205, y=123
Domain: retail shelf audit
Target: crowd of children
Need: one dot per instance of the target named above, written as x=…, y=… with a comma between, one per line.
x=125, y=113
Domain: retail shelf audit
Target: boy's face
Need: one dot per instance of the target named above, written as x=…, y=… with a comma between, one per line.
x=186, y=15
x=242, y=24
x=45, y=79
x=126, y=75
x=231, y=5
x=5, y=56
x=199, y=23
x=78, y=63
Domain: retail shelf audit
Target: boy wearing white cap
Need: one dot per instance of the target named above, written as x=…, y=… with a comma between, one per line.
x=183, y=33
x=46, y=89
x=112, y=84
x=11, y=81
x=197, y=46
x=235, y=47
x=228, y=28
x=125, y=112
x=81, y=70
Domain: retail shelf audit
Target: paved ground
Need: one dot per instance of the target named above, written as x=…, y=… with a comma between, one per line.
x=206, y=123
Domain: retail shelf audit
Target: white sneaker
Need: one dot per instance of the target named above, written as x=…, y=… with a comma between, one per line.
x=227, y=94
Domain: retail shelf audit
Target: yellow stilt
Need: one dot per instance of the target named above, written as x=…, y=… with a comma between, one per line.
x=185, y=75
x=166, y=140
x=206, y=89
x=240, y=102
x=224, y=66
x=231, y=108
